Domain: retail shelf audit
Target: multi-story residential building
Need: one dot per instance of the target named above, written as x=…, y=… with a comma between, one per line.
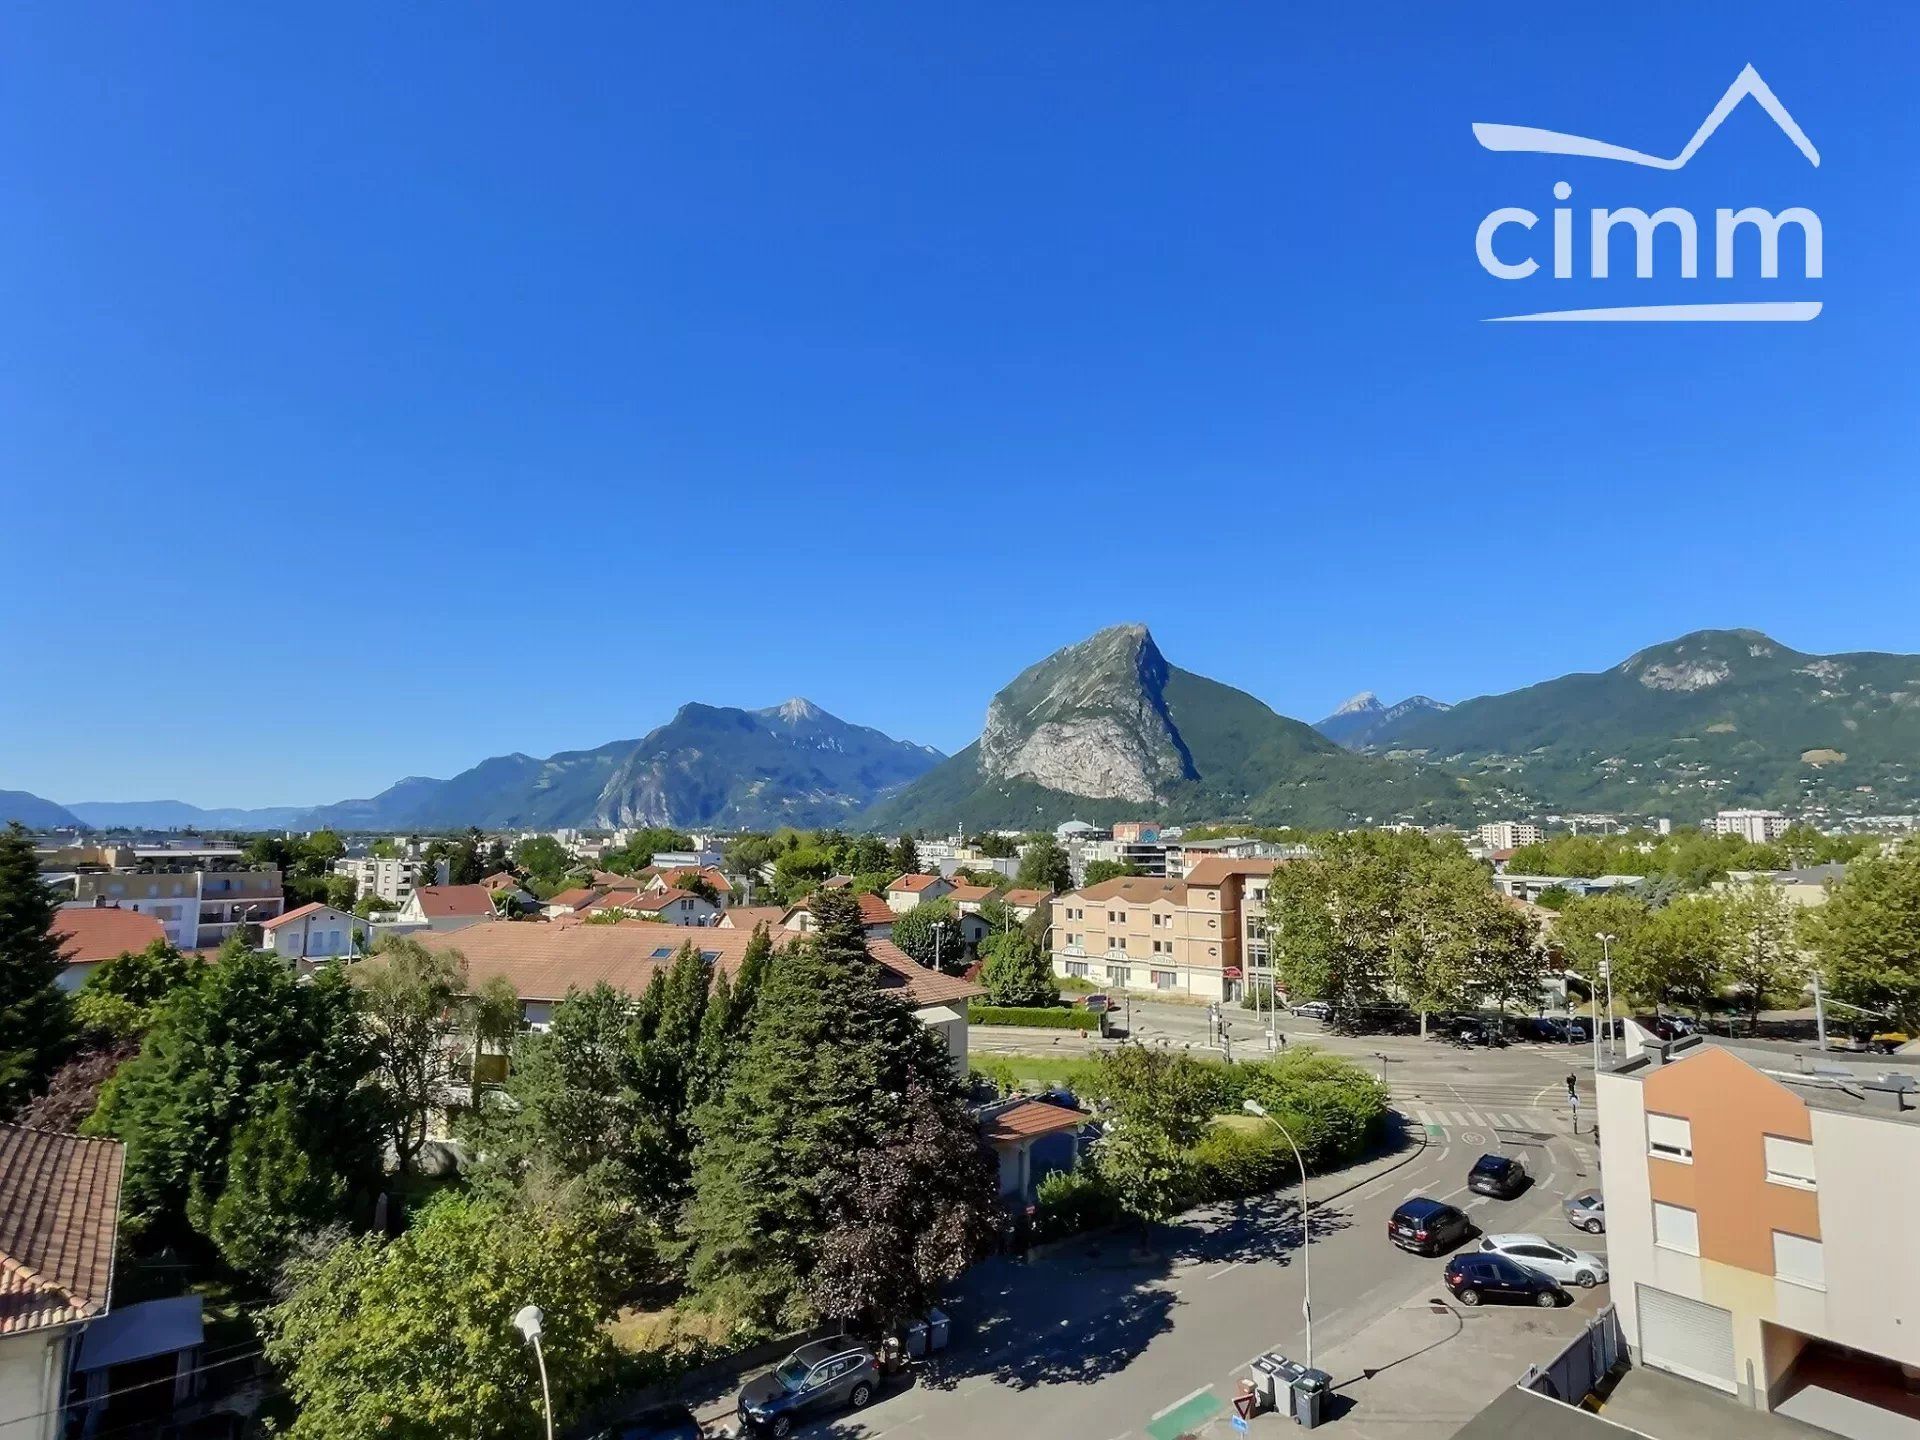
x=1148, y=933
x=1759, y=826
x=198, y=908
x=393, y=881
x=1509, y=834
x=1760, y=1212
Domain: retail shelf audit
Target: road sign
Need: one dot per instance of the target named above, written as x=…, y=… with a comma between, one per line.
x=1239, y=1424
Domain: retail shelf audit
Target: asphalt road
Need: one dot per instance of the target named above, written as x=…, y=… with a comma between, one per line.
x=1100, y=1336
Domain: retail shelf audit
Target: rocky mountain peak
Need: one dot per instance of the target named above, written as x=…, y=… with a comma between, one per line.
x=798, y=711
x=1090, y=719
x=1365, y=703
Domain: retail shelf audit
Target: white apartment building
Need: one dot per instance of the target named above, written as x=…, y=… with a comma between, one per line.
x=390, y=880
x=1761, y=827
x=197, y=908
x=1510, y=835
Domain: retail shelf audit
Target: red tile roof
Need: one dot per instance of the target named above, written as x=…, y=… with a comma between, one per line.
x=440, y=901
x=1216, y=870
x=59, y=1214
x=1138, y=889
x=501, y=880
x=969, y=894
x=1026, y=899
x=653, y=901
x=573, y=899
x=875, y=911
x=747, y=917
x=913, y=883
x=1028, y=1119
x=712, y=874
x=544, y=962
x=313, y=908
x=100, y=933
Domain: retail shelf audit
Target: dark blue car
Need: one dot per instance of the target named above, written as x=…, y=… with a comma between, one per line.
x=820, y=1377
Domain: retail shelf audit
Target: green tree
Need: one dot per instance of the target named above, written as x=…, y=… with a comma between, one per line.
x=778, y=1150
x=1866, y=938
x=1099, y=870
x=905, y=856
x=1760, y=952
x=1044, y=866
x=543, y=858
x=1333, y=919
x=995, y=846
x=276, y=1190
x=1159, y=1104
x=1617, y=914
x=495, y=1013
x=411, y=1000
x=930, y=933
x=217, y=1056
x=868, y=856
x=119, y=998
x=1677, y=957
x=412, y=1339
x=36, y=1020
x=1017, y=972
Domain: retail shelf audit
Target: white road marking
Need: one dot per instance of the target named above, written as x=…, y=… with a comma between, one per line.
x=1225, y=1268
x=1181, y=1401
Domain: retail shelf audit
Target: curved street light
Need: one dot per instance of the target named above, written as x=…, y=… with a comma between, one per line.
x=527, y=1322
x=1254, y=1107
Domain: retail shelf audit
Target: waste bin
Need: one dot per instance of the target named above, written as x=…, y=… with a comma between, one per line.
x=1267, y=1382
x=1310, y=1391
x=937, y=1328
x=916, y=1337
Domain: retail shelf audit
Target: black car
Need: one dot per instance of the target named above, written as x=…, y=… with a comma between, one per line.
x=1482, y=1276
x=821, y=1376
x=1427, y=1227
x=664, y=1422
x=1500, y=1176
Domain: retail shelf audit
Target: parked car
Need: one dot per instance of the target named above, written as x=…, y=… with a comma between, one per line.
x=1427, y=1227
x=1556, y=1262
x=1587, y=1211
x=1098, y=1004
x=1313, y=1010
x=1547, y=1029
x=820, y=1377
x=1500, y=1176
x=1479, y=1276
x=664, y=1422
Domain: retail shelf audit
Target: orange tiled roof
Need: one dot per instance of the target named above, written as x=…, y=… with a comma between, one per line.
x=1030, y=1118
x=969, y=894
x=59, y=1214
x=1216, y=870
x=544, y=962
x=102, y=932
x=440, y=901
x=1026, y=898
x=914, y=882
x=1139, y=889
x=874, y=911
x=747, y=917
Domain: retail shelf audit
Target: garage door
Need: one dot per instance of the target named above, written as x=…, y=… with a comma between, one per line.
x=1687, y=1337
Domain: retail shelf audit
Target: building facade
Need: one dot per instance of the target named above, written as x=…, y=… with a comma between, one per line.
x=1759, y=1217
x=1188, y=936
x=1761, y=827
x=310, y=932
x=198, y=909
x=390, y=880
x=1509, y=835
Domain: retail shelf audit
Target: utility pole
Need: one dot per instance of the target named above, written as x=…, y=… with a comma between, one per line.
x=1819, y=1010
x=1606, y=973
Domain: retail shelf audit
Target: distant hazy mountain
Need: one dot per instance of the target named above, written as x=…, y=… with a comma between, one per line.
x=791, y=764
x=1715, y=719
x=35, y=813
x=1107, y=729
x=178, y=815
x=1355, y=723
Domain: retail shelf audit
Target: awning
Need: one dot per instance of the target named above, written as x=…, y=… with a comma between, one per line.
x=139, y=1332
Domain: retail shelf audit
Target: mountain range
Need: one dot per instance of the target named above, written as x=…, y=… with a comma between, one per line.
x=1108, y=729
x=1716, y=719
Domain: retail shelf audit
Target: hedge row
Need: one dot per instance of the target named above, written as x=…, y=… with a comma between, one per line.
x=1047, y=1017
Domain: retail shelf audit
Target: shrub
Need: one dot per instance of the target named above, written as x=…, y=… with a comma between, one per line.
x=1043, y=1018
x=1069, y=1201
x=1231, y=1161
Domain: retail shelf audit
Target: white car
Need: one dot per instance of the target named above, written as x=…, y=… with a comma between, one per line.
x=1556, y=1262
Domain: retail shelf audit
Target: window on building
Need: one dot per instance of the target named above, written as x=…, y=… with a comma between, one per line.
x=1165, y=979
x=1670, y=1138
x=1676, y=1228
x=1077, y=969
x=1789, y=1162
x=1117, y=975
x=1119, y=942
x=1799, y=1261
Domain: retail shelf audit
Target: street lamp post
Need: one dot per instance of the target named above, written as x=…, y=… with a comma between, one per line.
x=527, y=1322
x=1606, y=973
x=1254, y=1107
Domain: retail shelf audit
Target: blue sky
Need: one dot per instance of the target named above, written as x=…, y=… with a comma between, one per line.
x=391, y=387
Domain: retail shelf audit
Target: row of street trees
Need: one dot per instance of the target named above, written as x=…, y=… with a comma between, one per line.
x=1380, y=917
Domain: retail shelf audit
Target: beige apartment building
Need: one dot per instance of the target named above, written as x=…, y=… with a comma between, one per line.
x=1195, y=936
x=1760, y=1226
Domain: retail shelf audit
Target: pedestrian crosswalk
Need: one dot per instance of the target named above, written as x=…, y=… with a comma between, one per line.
x=1528, y=1121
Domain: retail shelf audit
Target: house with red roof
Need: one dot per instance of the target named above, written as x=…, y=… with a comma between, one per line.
x=910, y=890
x=447, y=907
x=311, y=932
x=89, y=934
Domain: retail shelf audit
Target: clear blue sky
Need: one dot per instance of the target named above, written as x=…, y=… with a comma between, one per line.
x=411, y=384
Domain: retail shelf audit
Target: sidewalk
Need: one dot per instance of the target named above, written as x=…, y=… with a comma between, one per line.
x=1428, y=1366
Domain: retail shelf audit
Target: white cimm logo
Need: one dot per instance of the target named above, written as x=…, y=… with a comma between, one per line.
x=1505, y=259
